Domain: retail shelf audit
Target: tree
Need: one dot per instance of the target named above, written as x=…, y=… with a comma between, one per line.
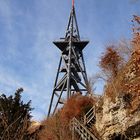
x=110, y=62
x=14, y=117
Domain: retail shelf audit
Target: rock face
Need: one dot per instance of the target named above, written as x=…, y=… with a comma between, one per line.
x=114, y=121
x=118, y=113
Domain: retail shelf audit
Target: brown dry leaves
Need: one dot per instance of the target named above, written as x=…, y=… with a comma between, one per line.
x=110, y=61
x=57, y=126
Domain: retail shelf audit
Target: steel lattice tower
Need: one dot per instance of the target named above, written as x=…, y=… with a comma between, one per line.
x=71, y=74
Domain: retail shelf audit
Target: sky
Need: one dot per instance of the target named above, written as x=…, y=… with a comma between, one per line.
x=28, y=58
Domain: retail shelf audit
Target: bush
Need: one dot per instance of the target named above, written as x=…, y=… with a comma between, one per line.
x=57, y=126
x=77, y=106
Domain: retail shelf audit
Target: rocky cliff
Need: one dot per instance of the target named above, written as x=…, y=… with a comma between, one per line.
x=118, y=111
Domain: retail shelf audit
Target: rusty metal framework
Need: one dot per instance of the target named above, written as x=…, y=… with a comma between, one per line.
x=71, y=74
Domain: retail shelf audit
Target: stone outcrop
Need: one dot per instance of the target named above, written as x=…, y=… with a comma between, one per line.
x=118, y=113
x=115, y=120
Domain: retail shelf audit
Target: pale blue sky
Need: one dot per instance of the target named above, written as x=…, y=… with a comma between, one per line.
x=28, y=58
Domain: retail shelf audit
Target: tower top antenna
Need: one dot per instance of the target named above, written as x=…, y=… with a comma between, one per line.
x=72, y=3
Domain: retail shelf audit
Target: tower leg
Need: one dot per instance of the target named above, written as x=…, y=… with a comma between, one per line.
x=50, y=107
x=59, y=97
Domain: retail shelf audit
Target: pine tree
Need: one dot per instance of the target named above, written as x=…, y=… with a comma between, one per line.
x=14, y=117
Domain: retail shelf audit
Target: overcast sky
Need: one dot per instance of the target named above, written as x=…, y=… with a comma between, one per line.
x=28, y=58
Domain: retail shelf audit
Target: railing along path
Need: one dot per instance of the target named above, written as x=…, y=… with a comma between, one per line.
x=82, y=128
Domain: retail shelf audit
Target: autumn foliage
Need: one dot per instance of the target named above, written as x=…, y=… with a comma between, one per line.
x=77, y=106
x=126, y=83
x=136, y=32
x=110, y=61
x=57, y=126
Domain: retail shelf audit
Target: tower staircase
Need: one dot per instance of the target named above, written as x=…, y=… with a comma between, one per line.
x=84, y=128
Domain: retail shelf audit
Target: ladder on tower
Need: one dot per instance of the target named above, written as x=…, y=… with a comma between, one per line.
x=83, y=128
